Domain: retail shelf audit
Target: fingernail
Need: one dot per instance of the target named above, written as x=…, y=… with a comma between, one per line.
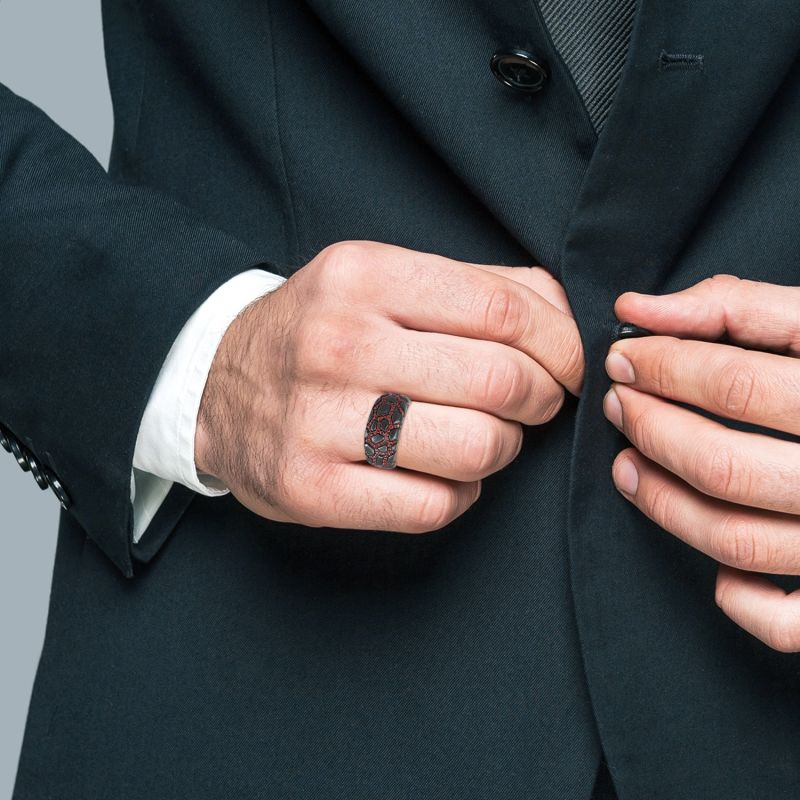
x=626, y=478
x=619, y=368
x=612, y=408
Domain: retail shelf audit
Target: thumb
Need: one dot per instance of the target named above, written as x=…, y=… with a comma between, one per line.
x=749, y=313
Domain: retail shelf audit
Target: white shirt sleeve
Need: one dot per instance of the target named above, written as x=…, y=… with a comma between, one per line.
x=164, y=452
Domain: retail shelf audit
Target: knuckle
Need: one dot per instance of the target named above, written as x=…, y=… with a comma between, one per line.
x=505, y=315
x=783, y=631
x=737, y=389
x=720, y=474
x=341, y=260
x=551, y=404
x=482, y=450
x=435, y=508
x=725, y=288
x=664, y=368
x=658, y=504
x=722, y=279
x=723, y=285
x=738, y=543
x=643, y=427
x=500, y=384
x=573, y=358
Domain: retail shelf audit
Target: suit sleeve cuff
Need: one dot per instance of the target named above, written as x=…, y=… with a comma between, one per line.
x=164, y=452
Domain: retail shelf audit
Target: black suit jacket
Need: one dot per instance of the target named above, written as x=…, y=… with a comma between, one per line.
x=230, y=656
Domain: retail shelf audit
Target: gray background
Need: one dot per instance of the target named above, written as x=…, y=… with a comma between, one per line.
x=51, y=52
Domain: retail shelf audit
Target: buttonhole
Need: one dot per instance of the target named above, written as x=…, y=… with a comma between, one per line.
x=682, y=61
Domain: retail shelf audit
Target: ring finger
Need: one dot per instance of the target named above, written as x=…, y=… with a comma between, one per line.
x=450, y=442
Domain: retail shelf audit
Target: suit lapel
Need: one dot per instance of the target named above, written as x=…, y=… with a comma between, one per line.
x=697, y=80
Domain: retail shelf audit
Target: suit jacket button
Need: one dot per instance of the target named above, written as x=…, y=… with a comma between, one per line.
x=627, y=330
x=519, y=69
x=58, y=490
x=38, y=472
x=19, y=453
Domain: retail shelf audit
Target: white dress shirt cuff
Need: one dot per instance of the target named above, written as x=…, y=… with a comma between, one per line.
x=164, y=452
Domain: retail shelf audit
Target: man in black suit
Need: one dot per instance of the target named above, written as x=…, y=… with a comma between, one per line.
x=303, y=265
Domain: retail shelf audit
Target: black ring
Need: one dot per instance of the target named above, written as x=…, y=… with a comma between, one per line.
x=383, y=429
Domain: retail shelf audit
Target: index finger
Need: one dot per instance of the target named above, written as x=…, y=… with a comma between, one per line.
x=436, y=294
x=745, y=385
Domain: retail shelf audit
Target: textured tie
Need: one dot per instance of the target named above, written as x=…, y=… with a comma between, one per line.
x=592, y=38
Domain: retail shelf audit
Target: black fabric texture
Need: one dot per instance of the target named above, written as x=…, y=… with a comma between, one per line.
x=550, y=627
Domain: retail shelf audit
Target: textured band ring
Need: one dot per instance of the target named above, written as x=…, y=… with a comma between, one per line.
x=383, y=429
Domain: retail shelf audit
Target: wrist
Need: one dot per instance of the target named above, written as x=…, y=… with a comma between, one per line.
x=208, y=436
x=223, y=410
x=225, y=370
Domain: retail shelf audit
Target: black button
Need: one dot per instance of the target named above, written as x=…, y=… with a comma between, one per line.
x=20, y=454
x=29, y=463
x=38, y=472
x=627, y=330
x=519, y=69
x=58, y=490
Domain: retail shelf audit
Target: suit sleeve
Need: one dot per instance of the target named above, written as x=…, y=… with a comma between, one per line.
x=164, y=452
x=97, y=278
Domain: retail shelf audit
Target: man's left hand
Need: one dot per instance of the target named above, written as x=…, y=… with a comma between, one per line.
x=733, y=495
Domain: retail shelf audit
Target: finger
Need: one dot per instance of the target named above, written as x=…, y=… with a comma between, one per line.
x=366, y=498
x=746, y=468
x=747, y=385
x=761, y=541
x=427, y=292
x=437, y=368
x=761, y=608
x=457, y=443
x=538, y=279
x=749, y=312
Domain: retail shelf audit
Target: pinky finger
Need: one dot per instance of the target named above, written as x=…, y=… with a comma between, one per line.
x=760, y=607
x=362, y=497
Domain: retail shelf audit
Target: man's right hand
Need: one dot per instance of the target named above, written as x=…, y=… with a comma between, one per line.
x=480, y=350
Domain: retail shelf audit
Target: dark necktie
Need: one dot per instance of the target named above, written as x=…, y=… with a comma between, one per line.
x=592, y=38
